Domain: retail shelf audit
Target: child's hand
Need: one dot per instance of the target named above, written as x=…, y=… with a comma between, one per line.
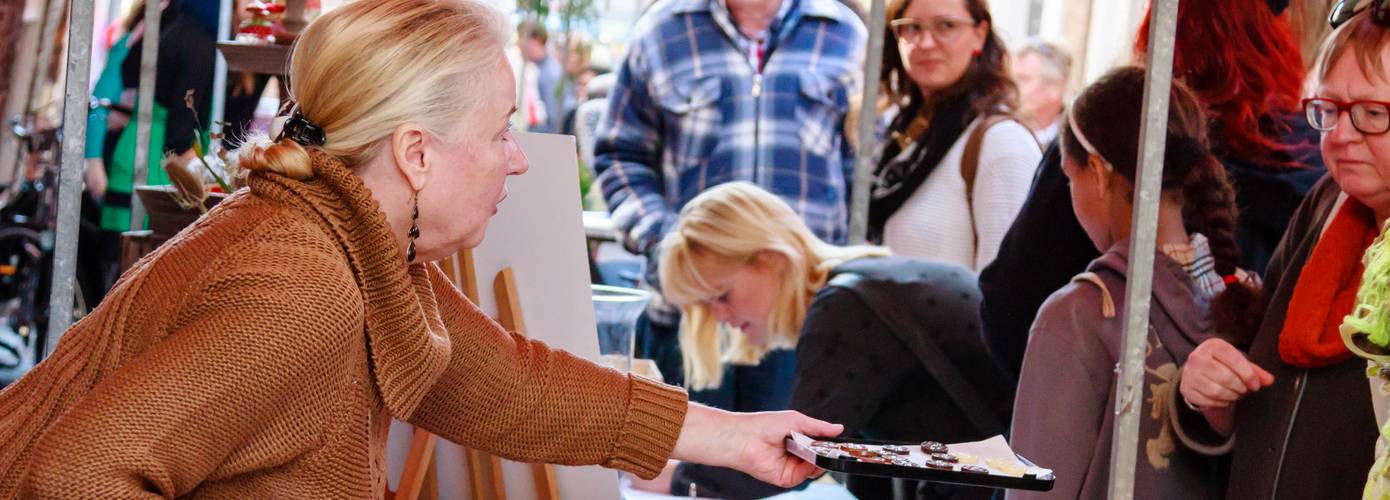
x=1217, y=374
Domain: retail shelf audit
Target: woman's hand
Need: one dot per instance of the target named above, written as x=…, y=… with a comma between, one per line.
x=1217, y=375
x=95, y=177
x=750, y=442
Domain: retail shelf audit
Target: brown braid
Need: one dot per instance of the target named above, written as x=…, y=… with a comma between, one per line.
x=1209, y=205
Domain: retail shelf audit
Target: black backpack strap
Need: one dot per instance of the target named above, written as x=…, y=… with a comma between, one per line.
x=936, y=362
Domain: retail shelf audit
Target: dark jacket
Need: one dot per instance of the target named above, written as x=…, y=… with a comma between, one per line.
x=856, y=369
x=1064, y=416
x=1046, y=246
x=187, y=52
x=1043, y=249
x=1308, y=435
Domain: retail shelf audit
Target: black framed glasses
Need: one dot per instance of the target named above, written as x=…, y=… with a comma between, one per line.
x=1368, y=117
x=942, y=29
x=1344, y=10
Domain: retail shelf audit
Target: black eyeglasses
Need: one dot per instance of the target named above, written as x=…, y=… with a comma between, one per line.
x=942, y=29
x=1368, y=117
x=1344, y=10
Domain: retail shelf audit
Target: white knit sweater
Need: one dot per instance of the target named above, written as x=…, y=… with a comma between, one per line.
x=934, y=223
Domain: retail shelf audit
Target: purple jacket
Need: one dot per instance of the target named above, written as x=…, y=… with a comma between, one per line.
x=1064, y=411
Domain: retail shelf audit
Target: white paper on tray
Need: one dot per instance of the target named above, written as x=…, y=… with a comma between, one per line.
x=995, y=447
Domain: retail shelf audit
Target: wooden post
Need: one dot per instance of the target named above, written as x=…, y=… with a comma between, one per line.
x=417, y=465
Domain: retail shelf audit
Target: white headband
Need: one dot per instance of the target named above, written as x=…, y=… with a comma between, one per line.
x=1076, y=131
x=1081, y=138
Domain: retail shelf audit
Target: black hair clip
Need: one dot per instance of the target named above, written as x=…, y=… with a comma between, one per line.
x=301, y=130
x=1344, y=10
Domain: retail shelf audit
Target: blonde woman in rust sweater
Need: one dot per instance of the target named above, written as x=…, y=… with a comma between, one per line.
x=263, y=351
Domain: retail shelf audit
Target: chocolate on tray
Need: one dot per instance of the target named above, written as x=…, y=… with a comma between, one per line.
x=945, y=457
x=896, y=449
x=864, y=453
x=937, y=464
x=975, y=469
x=934, y=447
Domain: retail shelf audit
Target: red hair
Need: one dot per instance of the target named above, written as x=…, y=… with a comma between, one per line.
x=1244, y=64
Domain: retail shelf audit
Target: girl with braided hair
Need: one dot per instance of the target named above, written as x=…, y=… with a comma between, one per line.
x=1068, y=378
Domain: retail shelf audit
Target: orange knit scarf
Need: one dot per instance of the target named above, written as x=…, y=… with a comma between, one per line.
x=1326, y=290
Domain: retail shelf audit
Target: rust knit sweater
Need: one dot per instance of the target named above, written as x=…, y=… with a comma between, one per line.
x=263, y=351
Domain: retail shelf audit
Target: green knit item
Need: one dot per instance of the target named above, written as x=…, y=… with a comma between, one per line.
x=1371, y=315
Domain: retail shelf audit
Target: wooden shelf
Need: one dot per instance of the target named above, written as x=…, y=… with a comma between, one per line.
x=256, y=58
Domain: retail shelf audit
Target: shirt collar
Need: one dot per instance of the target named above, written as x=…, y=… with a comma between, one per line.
x=829, y=9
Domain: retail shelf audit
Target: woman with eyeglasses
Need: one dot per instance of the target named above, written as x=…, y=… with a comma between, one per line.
x=1305, y=435
x=955, y=167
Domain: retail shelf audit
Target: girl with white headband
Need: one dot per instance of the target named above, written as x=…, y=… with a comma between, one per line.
x=1063, y=414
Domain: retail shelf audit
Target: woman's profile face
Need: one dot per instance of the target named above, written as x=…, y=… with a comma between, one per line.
x=468, y=179
x=1359, y=162
x=937, y=40
x=745, y=293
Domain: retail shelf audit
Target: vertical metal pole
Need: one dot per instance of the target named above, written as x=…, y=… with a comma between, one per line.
x=219, y=76
x=43, y=65
x=21, y=84
x=868, y=115
x=1143, y=245
x=76, y=94
x=149, y=56
x=45, y=58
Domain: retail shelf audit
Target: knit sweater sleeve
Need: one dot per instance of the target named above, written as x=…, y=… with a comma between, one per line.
x=522, y=400
x=191, y=405
x=1009, y=157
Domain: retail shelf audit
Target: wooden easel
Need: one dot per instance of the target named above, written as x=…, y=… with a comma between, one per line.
x=484, y=470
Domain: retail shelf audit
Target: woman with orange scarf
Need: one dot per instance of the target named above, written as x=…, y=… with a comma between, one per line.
x=1304, y=435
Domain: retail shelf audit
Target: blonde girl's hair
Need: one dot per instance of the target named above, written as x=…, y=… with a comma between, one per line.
x=726, y=227
x=370, y=66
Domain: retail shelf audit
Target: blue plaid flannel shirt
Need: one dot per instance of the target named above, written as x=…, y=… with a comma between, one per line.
x=690, y=111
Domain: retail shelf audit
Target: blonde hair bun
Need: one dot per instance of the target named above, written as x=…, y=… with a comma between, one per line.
x=284, y=157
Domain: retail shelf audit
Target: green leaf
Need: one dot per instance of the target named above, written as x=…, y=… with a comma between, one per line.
x=197, y=144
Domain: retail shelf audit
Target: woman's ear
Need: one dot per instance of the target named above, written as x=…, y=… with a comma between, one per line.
x=1101, y=173
x=770, y=261
x=408, y=151
x=981, y=33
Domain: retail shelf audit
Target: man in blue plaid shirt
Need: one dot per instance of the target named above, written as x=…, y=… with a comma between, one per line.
x=714, y=91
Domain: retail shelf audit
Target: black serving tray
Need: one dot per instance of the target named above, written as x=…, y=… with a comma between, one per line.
x=1037, y=479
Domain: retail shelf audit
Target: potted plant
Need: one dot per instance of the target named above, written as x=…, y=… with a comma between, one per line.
x=197, y=185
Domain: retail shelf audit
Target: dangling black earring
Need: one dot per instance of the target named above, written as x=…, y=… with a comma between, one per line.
x=414, y=228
